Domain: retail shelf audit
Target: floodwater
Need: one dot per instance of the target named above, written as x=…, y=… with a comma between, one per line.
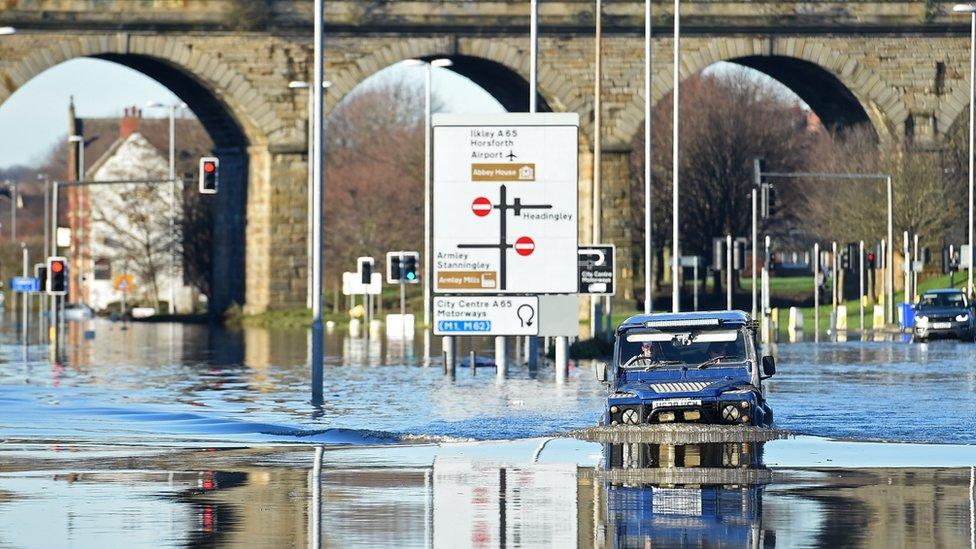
x=165, y=435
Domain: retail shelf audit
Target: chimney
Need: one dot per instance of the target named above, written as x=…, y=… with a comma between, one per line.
x=130, y=122
x=74, y=128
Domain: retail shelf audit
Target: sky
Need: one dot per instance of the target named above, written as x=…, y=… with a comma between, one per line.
x=35, y=117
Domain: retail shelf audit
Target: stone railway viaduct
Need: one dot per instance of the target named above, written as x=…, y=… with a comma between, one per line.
x=900, y=66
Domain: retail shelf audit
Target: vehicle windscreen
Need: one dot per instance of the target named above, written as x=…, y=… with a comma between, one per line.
x=943, y=300
x=663, y=349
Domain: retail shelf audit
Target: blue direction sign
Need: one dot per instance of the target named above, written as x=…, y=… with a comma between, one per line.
x=24, y=284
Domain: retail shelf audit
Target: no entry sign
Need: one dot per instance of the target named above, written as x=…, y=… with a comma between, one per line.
x=524, y=246
x=505, y=203
x=481, y=206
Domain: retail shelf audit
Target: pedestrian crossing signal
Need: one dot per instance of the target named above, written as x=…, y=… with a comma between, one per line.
x=209, y=174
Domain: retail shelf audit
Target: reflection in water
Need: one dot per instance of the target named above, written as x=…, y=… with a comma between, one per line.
x=698, y=495
x=649, y=495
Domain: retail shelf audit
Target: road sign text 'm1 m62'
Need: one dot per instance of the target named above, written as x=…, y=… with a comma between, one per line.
x=486, y=315
x=505, y=216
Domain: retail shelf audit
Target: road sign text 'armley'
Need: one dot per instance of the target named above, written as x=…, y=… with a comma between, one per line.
x=505, y=203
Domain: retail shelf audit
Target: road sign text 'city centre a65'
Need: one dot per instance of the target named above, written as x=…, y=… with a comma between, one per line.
x=505, y=203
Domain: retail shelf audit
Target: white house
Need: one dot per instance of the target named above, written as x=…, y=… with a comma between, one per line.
x=134, y=228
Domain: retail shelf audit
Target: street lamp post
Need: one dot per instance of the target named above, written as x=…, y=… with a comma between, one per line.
x=428, y=85
x=318, y=175
x=971, y=10
x=676, y=157
x=648, y=243
x=172, y=208
x=309, y=222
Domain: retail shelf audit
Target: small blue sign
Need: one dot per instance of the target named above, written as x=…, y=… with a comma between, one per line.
x=24, y=284
x=464, y=326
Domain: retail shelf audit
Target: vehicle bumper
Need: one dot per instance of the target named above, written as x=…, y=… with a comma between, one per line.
x=956, y=331
x=692, y=410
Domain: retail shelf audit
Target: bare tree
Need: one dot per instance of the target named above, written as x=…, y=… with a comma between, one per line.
x=926, y=194
x=134, y=232
x=374, y=174
x=726, y=120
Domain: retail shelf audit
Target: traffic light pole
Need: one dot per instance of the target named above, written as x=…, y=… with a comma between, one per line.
x=755, y=237
x=889, y=301
x=728, y=272
x=816, y=291
x=833, y=283
x=25, y=312
x=403, y=311
x=860, y=263
x=907, y=267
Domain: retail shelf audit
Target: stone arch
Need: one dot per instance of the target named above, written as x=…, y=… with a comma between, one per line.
x=501, y=69
x=174, y=64
x=801, y=64
x=953, y=110
x=238, y=118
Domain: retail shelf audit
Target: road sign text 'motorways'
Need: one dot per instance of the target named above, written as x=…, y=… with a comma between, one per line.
x=505, y=203
x=486, y=315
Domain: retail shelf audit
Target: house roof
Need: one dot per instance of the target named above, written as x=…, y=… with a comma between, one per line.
x=192, y=141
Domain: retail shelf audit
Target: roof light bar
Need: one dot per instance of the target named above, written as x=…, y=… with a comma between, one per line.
x=688, y=323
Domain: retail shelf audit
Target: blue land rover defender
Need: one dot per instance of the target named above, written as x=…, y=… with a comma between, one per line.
x=698, y=367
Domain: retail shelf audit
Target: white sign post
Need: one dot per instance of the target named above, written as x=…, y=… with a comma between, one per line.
x=352, y=284
x=505, y=203
x=486, y=315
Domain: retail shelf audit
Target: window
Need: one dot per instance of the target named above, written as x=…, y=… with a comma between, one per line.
x=684, y=347
x=103, y=269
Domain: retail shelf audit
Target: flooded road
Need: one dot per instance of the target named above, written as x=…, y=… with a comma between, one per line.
x=183, y=435
x=190, y=383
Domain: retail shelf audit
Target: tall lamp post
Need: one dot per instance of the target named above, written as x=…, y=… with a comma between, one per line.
x=442, y=62
x=675, y=161
x=172, y=208
x=302, y=85
x=648, y=275
x=318, y=177
x=970, y=9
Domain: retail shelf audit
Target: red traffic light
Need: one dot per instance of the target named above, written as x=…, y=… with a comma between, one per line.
x=209, y=167
x=57, y=266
